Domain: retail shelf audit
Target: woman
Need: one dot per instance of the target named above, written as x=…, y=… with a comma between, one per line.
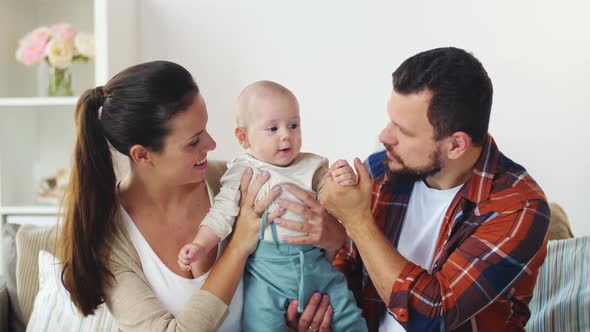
x=119, y=241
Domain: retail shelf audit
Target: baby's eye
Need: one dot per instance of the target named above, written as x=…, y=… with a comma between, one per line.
x=293, y=126
x=272, y=129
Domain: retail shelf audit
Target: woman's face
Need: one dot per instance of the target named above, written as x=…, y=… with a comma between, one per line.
x=183, y=159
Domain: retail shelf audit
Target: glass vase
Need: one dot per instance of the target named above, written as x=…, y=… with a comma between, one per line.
x=60, y=82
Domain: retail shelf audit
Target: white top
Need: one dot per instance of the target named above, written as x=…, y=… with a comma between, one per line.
x=419, y=234
x=172, y=290
x=307, y=171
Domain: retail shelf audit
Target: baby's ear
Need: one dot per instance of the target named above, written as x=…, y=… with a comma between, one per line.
x=242, y=137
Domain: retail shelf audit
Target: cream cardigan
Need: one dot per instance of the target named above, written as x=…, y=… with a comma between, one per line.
x=133, y=304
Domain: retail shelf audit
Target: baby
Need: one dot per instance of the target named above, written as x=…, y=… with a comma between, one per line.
x=268, y=125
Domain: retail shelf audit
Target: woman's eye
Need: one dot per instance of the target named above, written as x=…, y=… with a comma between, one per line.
x=293, y=126
x=193, y=143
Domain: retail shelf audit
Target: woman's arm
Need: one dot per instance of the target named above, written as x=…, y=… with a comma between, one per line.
x=134, y=305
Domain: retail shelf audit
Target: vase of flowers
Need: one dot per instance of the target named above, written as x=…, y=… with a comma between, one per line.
x=59, y=46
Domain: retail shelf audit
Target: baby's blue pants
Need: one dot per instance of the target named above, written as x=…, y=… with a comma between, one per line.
x=277, y=273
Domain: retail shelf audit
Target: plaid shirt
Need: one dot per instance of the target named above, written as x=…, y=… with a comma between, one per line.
x=491, y=245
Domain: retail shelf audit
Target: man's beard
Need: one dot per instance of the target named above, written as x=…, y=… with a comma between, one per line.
x=412, y=174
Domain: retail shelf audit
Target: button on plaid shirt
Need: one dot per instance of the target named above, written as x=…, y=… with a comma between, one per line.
x=491, y=245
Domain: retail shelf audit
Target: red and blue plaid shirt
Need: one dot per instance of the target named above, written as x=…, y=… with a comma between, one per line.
x=491, y=245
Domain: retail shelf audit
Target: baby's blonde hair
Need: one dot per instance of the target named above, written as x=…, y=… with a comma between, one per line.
x=246, y=101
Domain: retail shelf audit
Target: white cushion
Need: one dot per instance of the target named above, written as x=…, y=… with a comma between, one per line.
x=53, y=309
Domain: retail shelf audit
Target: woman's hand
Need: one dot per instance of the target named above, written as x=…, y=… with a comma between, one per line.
x=323, y=230
x=316, y=316
x=247, y=226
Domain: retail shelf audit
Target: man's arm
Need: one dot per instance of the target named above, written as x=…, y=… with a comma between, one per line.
x=382, y=261
x=348, y=262
x=481, y=268
x=352, y=205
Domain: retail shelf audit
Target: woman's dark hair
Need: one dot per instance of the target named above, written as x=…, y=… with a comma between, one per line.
x=134, y=107
x=461, y=90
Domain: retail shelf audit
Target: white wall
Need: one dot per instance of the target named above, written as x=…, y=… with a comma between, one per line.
x=337, y=57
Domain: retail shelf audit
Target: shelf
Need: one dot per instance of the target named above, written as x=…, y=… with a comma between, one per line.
x=43, y=126
x=44, y=221
x=39, y=101
x=33, y=210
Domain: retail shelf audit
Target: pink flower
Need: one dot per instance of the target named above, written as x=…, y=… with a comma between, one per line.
x=64, y=32
x=32, y=47
x=41, y=33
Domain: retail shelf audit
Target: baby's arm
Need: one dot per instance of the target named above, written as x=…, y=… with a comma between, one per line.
x=342, y=173
x=218, y=222
x=205, y=240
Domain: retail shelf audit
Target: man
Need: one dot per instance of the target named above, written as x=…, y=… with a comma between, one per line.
x=450, y=232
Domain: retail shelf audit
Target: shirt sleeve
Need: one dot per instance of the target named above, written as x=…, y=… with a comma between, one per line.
x=348, y=262
x=482, y=268
x=222, y=215
x=319, y=177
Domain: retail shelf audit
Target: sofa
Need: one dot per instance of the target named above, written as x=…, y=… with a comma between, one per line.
x=21, y=246
x=561, y=301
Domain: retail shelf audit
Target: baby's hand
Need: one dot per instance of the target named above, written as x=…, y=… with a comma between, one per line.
x=189, y=254
x=342, y=173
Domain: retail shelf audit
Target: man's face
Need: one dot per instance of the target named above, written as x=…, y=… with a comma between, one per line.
x=409, y=137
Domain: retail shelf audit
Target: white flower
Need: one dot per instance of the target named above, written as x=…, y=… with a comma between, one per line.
x=84, y=43
x=60, y=53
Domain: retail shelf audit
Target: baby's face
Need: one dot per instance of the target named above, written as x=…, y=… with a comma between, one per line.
x=274, y=130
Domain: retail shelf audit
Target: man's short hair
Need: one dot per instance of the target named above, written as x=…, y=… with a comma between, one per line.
x=461, y=90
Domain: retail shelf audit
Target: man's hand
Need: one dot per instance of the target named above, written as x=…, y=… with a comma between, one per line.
x=350, y=204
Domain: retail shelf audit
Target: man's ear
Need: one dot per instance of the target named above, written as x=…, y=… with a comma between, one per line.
x=242, y=137
x=459, y=142
x=140, y=155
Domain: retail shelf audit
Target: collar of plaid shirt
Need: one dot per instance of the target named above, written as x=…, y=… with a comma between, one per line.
x=465, y=214
x=477, y=189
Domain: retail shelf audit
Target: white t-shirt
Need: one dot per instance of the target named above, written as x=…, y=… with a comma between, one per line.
x=172, y=290
x=420, y=231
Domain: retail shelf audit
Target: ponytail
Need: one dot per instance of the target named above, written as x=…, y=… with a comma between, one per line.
x=90, y=208
x=134, y=107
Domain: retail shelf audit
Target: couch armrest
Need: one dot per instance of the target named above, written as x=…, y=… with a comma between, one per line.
x=4, y=303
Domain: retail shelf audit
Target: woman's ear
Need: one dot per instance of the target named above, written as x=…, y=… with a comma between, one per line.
x=140, y=155
x=242, y=137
